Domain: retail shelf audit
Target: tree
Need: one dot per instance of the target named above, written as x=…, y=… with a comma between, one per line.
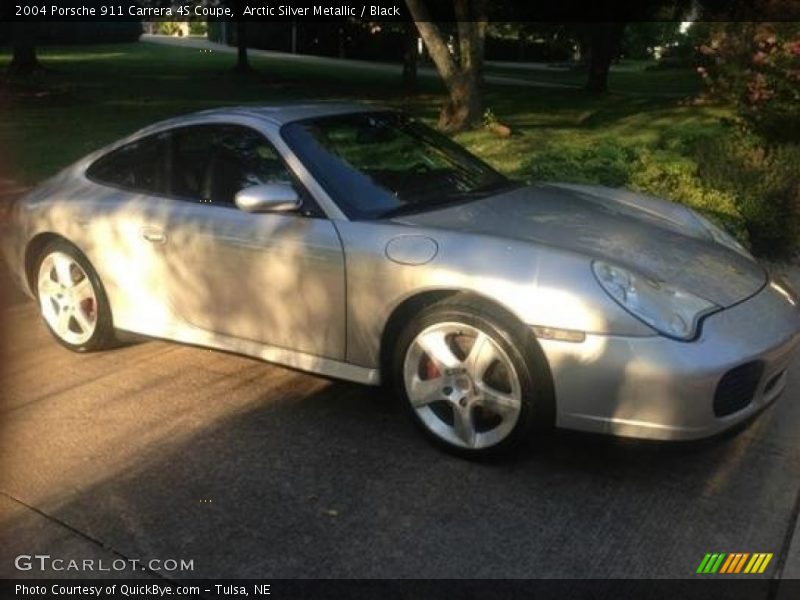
x=23, y=41
x=602, y=42
x=409, y=59
x=641, y=38
x=242, y=63
x=463, y=74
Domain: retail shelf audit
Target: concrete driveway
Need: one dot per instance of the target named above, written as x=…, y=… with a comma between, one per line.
x=250, y=470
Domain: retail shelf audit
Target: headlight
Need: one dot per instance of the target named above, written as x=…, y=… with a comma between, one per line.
x=720, y=235
x=667, y=309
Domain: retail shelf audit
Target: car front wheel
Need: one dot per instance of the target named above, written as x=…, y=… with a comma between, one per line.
x=471, y=380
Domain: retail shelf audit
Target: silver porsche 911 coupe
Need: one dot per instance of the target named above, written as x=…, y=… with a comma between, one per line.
x=359, y=244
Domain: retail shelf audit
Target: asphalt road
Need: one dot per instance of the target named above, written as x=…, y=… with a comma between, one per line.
x=163, y=451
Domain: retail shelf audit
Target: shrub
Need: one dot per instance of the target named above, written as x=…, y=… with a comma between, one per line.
x=170, y=28
x=764, y=181
x=750, y=188
x=670, y=173
x=198, y=27
x=756, y=67
x=675, y=178
x=606, y=163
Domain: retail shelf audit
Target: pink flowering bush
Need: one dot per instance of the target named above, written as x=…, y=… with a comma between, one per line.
x=756, y=66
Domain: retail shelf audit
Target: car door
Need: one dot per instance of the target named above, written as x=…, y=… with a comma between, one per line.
x=275, y=278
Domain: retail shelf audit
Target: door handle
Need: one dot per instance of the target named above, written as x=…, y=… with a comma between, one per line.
x=151, y=234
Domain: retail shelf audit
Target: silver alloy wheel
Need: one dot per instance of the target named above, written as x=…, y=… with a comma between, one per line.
x=462, y=385
x=67, y=298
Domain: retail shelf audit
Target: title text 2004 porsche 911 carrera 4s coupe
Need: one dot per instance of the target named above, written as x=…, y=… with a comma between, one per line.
x=359, y=244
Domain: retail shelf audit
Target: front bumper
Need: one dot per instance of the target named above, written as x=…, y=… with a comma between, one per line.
x=658, y=388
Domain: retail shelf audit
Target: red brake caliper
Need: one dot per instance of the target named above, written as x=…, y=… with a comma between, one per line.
x=431, y=370
x=88, y=307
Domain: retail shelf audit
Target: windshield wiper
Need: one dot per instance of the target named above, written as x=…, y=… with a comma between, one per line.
x=403, y=209
x=493, y=188
x=451, y=198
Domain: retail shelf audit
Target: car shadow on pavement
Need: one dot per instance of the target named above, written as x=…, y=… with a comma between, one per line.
x=335, y=483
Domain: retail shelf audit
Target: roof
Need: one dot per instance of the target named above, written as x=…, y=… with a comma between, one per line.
x=286, y=113
x=279, y=114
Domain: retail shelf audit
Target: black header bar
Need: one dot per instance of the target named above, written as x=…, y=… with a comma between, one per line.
x=387, y=10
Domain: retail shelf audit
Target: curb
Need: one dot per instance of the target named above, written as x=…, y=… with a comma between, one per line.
x=791, y=566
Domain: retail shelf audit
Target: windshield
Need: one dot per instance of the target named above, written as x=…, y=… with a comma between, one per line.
x=378, y=165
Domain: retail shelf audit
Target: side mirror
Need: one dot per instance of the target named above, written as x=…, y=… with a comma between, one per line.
x=272, y=197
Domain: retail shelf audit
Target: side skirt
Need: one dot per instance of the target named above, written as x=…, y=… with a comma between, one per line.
x=281, y=356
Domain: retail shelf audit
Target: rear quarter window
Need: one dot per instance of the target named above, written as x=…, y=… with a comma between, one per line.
x=139, y=166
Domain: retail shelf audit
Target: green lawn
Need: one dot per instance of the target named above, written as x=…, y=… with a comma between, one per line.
x=92, y=95
x=627, y=78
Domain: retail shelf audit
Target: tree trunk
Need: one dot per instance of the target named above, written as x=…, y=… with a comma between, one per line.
x=410, y=59
x=242, y=64
x=463, y=81
x=24, y=61
x=464, y=108
x=472, y=23
x=481, y=14
x=603, y=46
x=599, y=67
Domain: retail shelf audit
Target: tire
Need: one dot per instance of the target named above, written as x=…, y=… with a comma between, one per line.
x=472, y=378
x=72, y=300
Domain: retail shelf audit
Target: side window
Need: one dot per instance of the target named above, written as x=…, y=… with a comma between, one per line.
x=138, y=166
x=211, y=163
x=191, y=150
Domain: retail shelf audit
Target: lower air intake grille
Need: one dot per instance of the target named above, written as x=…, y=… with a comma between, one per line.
x=737, y=388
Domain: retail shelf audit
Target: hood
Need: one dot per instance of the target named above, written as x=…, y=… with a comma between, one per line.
x=656, y=238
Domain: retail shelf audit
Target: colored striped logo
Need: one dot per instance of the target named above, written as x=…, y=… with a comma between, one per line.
x=735, y=562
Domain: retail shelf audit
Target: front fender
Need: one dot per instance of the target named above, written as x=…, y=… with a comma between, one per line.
x=540, y=285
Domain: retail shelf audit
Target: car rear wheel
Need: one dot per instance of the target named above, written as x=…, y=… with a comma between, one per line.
x=72, y=300
x=471, y=380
